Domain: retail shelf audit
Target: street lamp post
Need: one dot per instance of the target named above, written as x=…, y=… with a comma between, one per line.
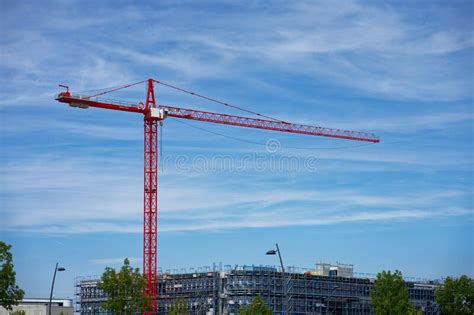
x=273, y=252
x=52, y=286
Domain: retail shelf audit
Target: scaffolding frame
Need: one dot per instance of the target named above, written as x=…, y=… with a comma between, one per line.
x=225, y=289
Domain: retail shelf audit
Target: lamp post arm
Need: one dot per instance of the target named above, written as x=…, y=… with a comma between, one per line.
x=52, y=288
x=281, y=261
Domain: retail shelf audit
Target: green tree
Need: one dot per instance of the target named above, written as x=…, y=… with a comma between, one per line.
x=18, y=312
x=258, y=307
x=124, y=289
x=178, y=308
x=389, y=296
x=10, y=293
x=456, y=297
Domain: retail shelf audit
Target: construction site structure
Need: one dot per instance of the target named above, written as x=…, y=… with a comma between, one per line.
x=326, y=269
x=224, y=290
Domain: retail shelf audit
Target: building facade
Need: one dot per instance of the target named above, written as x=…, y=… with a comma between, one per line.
x=225, y=290
x=40, y=307
x=338, y=270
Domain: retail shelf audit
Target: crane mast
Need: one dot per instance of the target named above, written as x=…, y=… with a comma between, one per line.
x=153, y=115
x=150, y=202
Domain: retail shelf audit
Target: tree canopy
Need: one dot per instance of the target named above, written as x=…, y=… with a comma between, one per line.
x=389, y=296
x=178, y=308
x=124, y=289
x=10, y=293
x=456, y=296
x=258, y=307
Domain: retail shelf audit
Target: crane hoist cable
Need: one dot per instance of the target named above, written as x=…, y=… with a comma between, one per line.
x=118, y=88
x=217, y=101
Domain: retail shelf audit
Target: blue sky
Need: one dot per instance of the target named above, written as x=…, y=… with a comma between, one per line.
x=71, y=180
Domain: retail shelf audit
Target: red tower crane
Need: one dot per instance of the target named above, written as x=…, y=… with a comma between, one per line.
x=152, y=115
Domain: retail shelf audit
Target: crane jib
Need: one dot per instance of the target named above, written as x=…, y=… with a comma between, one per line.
x=248, y=122
x=162, y=111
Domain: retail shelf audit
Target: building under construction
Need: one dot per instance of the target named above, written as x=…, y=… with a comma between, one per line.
x=327, y=289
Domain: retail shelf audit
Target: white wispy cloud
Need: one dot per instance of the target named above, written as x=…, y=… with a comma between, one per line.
x=84, y=202
x=268, y=221
x=100, y=72
x=115, y=261
x=185, y=64
x=384, y=216
x=374, y=49
x=370, y=48
x=407, y=123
